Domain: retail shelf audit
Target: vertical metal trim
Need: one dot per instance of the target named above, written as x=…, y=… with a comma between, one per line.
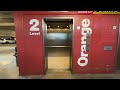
x=43, y=45
x=118, y=46
x=72, y=54
x=46, y=49
x=70, y=38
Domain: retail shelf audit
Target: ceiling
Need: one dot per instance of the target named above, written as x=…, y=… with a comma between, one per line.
x=6, y=24
x=6, y=12
x=7, y=17
x=58, y=23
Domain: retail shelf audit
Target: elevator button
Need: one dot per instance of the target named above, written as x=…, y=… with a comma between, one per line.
x=78, y=27
x=114, y=27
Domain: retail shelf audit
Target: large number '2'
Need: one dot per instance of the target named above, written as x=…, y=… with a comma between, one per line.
x=35, y=23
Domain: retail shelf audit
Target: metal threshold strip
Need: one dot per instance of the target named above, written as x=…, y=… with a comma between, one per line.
x=57, y=46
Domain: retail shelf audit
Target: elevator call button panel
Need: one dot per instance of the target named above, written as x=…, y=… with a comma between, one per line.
x=107, y=47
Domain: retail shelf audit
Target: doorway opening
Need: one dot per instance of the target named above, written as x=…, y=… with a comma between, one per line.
x=58, y=38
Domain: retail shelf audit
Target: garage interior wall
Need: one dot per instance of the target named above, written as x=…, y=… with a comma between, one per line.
x=7, y=24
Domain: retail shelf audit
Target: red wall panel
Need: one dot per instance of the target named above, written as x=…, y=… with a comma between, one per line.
x=103, y=61
x=20, y=42
x=31, y=48
x=77, y=44
x=34, y=61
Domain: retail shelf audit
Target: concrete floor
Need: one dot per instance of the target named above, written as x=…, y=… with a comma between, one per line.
x=8, y=69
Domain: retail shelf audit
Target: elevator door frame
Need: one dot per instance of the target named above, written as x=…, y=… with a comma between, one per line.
x=118, y=47
x=72, y=38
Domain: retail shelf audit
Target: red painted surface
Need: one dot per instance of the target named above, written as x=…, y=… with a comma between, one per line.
x=20, y=42
x=77, y=45
x=104, y=35
x=31, y=51
x=33, y=47
x=30, y=48
x=55, y=12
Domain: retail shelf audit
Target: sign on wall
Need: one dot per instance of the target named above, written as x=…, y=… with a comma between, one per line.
x=34, y=29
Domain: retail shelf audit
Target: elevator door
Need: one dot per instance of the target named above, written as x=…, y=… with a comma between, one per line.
x=59, y=47
x=44, y=26
x=71, y=45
